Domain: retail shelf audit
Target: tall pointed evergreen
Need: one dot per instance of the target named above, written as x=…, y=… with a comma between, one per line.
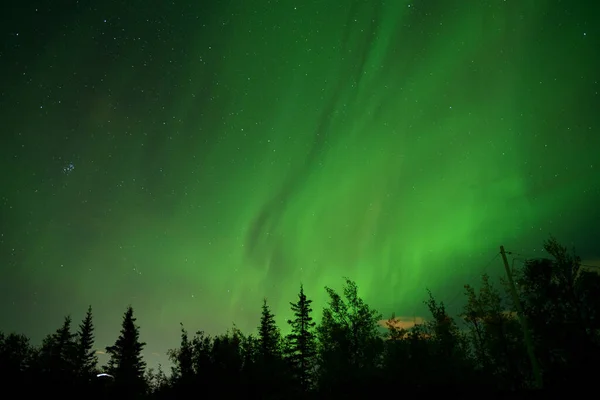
x=85, y=355
x=269, y=337
x=302, y=346
x=270, y=378
x=126, y=363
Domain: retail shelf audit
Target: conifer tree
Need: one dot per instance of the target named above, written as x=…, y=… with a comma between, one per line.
x=126, y=363
x=301, y=342
x=270, y=379
x=269, y=337
x=85, y=355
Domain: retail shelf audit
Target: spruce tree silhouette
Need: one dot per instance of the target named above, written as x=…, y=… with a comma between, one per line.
x=301, y=342
x=269, y=337
x=86, y=360
x=126, y=363
x=269, y=354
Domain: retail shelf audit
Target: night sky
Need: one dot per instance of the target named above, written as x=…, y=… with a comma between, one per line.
x=192, y=157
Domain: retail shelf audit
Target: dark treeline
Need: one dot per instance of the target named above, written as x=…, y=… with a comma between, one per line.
x=482, y=351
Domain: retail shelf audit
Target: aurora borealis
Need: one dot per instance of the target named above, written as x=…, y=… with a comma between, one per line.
x=191, y=159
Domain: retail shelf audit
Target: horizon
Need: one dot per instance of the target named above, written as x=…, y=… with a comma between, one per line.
x=155, y=359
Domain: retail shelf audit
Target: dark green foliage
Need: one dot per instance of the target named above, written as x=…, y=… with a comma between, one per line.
x=346, y=355
x=85, y=356
x=350, y=344
x=220, y=363
x=183, y=359
x=191, y=361
x=126, y=363
x=16, y=357
x=57, y=354
x=301, y=345
x=561, y=302
x=450, y=354
x=157, y=382
x=407, y=357
x=496, y=337
x=269, y=337
x=272, y=381
x=226, y=355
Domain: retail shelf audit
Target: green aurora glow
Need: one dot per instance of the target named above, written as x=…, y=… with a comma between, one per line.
x=225, y=155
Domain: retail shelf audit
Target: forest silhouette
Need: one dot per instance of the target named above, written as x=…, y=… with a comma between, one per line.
x=480, y=352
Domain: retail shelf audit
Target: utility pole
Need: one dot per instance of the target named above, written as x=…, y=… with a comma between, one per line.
x=537, y=375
